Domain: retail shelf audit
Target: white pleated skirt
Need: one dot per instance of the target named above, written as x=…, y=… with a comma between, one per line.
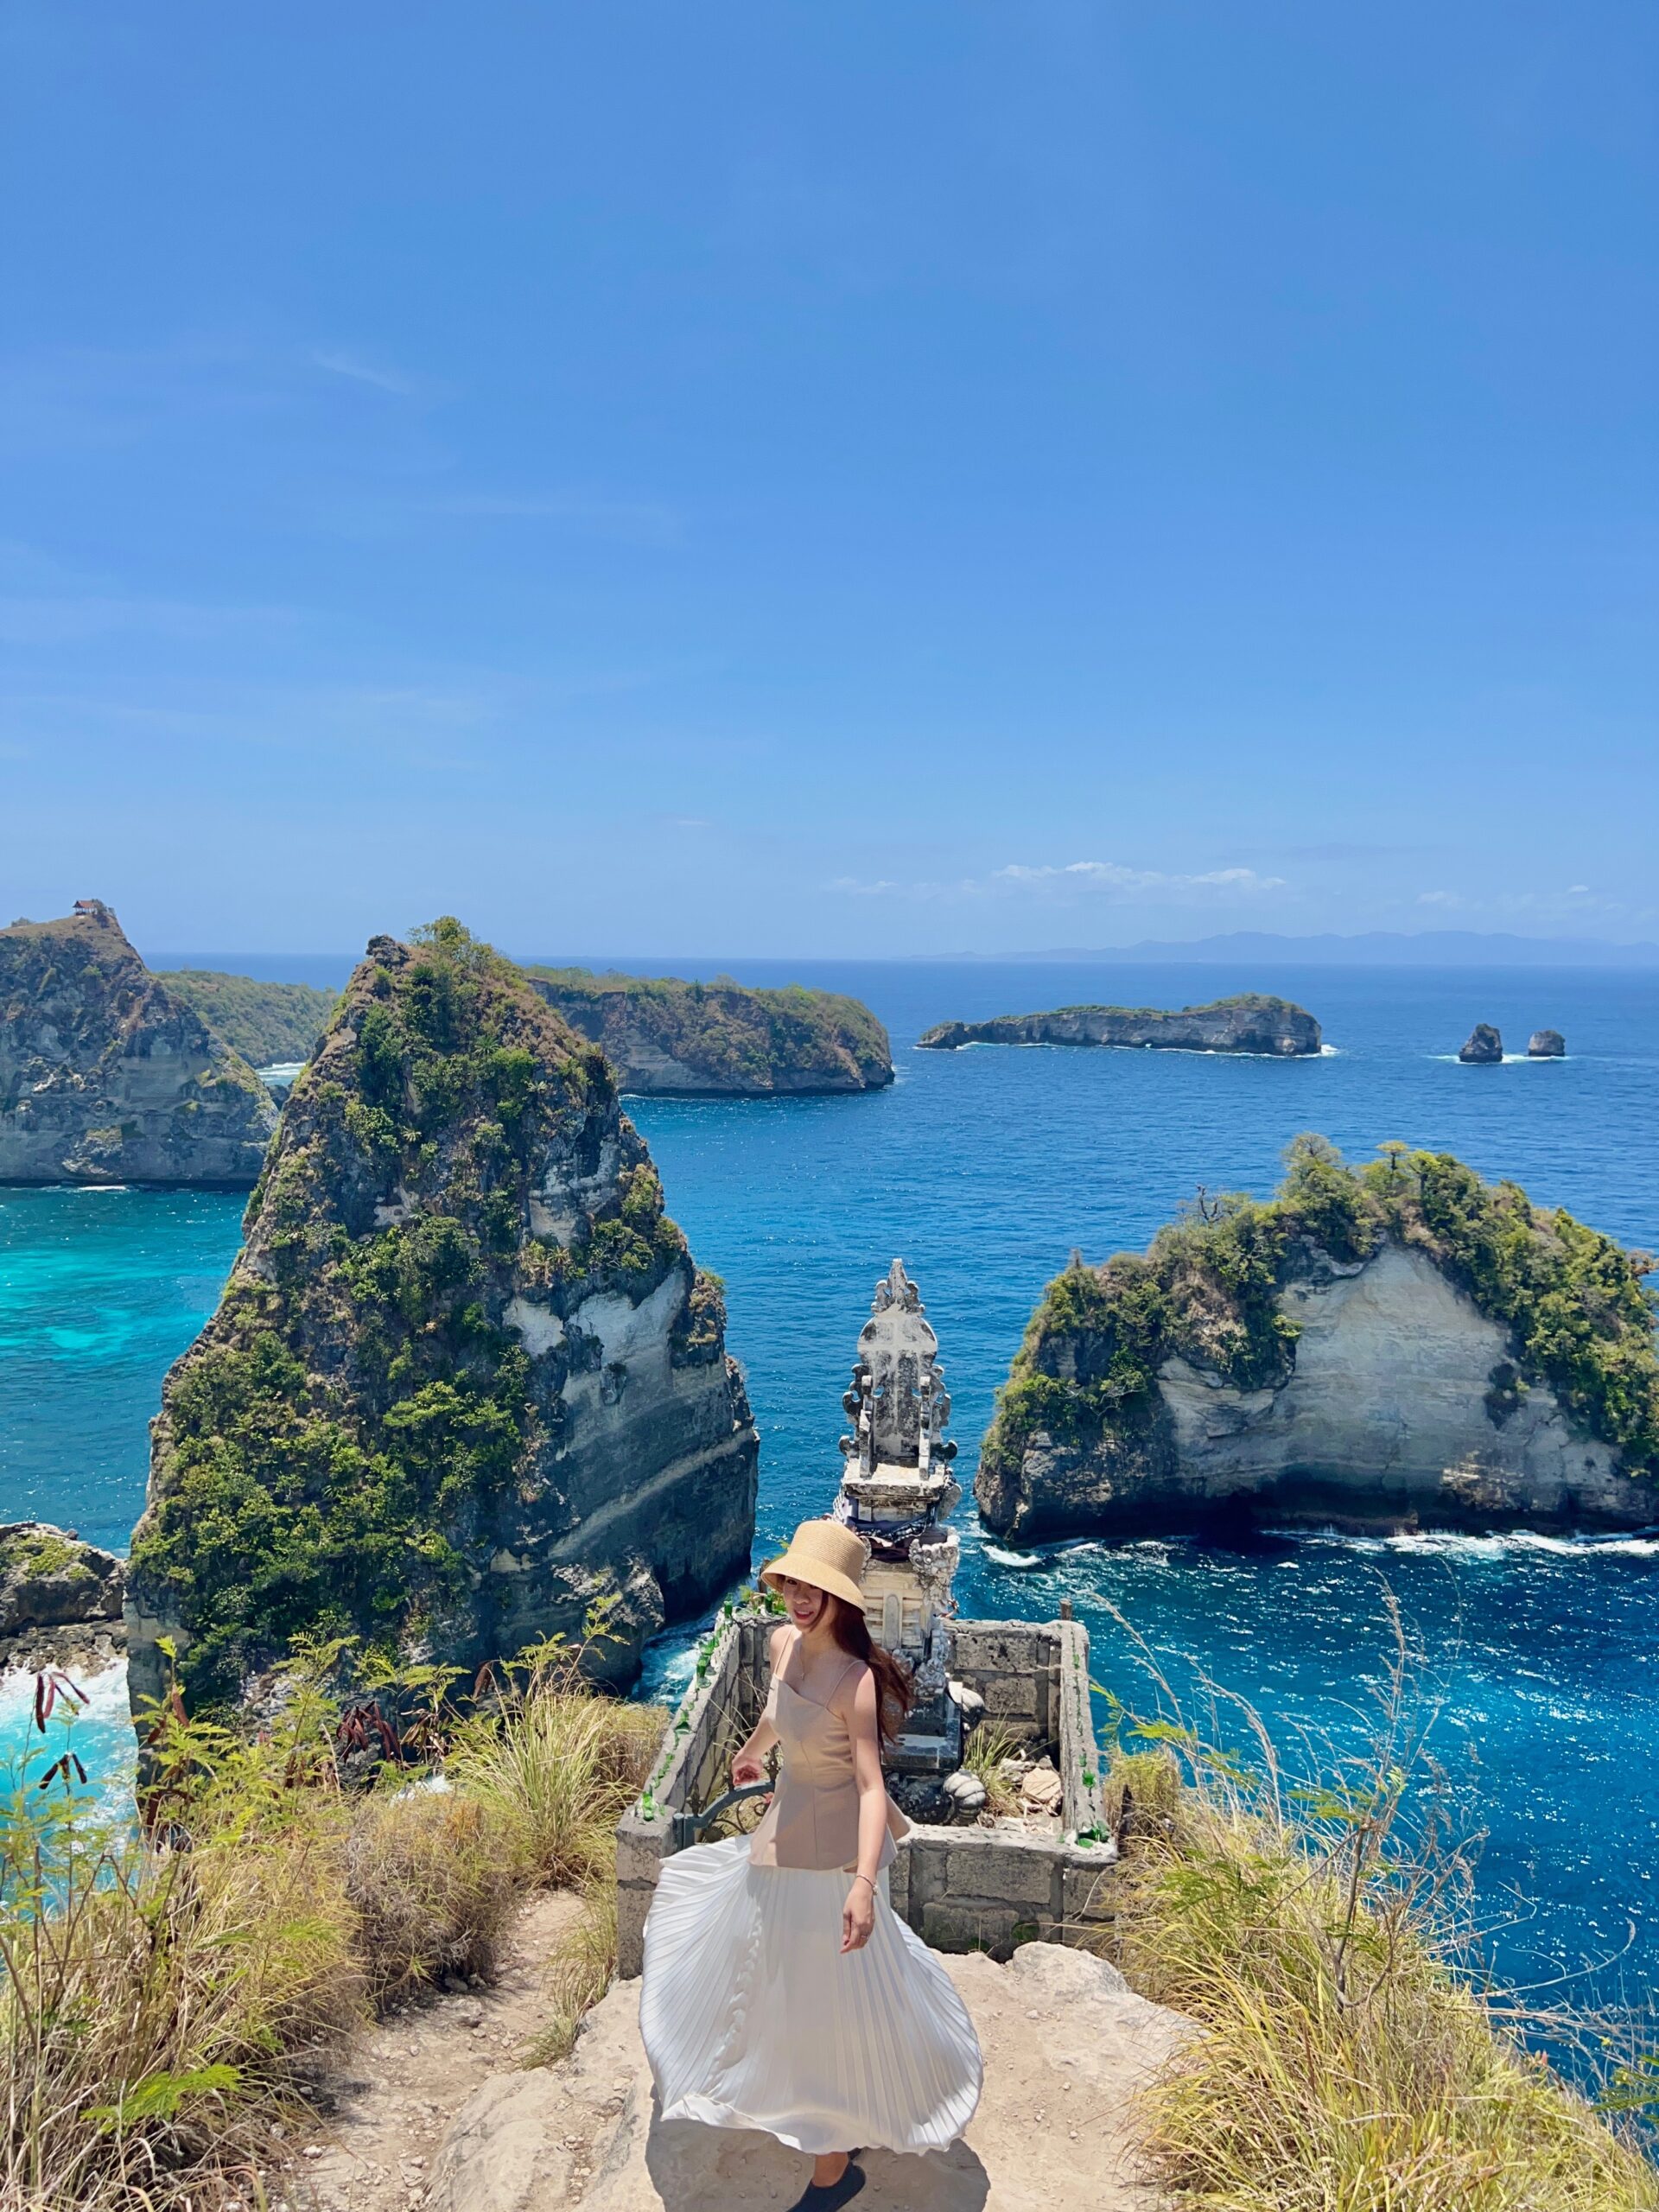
x=751, y=2018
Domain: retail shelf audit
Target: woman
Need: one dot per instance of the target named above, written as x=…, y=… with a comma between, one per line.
x=781, y=1990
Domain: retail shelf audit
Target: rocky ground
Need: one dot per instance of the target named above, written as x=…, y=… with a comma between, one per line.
x=442, y=2114
x=409, y=2078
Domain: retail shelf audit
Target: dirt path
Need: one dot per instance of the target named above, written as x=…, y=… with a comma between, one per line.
x=409, y=2077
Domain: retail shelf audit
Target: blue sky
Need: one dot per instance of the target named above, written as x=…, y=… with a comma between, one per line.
x=793, y=478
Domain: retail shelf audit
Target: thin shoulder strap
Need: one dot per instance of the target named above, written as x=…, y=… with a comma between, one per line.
x=793, y=1637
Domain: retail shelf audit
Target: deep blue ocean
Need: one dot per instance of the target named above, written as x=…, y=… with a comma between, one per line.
x=984, y=1169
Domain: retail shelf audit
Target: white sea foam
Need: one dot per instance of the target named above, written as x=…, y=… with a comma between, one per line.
x=1013, y=1558
x=1461, y=1544
x=101, y=1731
x=1330, y=1052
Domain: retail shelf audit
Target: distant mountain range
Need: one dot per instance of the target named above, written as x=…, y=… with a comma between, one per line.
x=1372, y=949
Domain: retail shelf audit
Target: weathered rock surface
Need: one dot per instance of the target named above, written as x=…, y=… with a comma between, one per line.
x=1403, y=1405
x=106, y=1077
x=465, y=1380
x=1067, y=2046
x=721, y=1039
x=1248, y=1023
x=1483, y=1047
x=1546, y=1045
x=49, y=1579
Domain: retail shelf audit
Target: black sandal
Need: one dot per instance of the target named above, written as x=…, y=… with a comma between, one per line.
x=831, y=2197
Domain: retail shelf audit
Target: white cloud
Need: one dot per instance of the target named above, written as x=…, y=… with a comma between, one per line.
x=340, y=362
x=1079, y=880
x=1123, y=884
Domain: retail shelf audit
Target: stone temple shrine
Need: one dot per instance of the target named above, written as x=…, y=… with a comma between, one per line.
x=895, y=1493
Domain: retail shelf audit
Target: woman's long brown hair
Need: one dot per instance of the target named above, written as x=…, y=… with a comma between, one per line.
x=893, y=1691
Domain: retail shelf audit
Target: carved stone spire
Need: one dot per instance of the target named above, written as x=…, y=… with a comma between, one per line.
x=895, y=1491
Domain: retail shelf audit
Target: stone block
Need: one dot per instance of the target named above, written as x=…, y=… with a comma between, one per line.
x=1004, y=1868
x=641, y=1847
x=1087, y=1892
x=633, y=1903
x=1012, y=1697
x=954, y=1925
x=999, y=1647
x=927, y=1854
x=899, y=1882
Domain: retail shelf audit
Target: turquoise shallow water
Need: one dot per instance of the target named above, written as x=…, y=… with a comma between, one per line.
x=983, y=1169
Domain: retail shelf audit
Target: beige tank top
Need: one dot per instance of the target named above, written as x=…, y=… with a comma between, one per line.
x=812, y=1820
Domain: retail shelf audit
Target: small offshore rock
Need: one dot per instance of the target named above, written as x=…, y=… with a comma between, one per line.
x=966, y=1790
x=49, y=1579
x=1546, y=1045
x=1482, y=1046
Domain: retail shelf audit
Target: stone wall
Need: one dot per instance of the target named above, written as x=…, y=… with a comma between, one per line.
x=964, y=1888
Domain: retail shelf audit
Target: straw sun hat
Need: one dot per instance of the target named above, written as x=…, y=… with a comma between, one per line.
x=826, y=1554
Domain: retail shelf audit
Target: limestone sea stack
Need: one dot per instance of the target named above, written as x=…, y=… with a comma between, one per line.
x=721, y=1039
x=1483, y=1047
x=1546, y=1045
x=1381, y=1347
x=1249, y=1023
x=106, y=1077
x=465, y=1380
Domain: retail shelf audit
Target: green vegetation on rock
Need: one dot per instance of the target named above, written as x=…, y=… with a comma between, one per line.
x=358, y=1431
x=1574, y=1301
x=265, y=1022
x=664, y=1034
x=1250, y=1022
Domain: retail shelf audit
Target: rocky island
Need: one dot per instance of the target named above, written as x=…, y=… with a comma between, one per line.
x=721, y=1039
x=107, y=1076
x=264, y=1022
x=59, y=1598
x=465, y=1380
x=1249, y=1023
x=1382, y=1346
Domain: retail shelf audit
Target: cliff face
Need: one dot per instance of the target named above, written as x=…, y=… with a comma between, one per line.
x=720, y=1040
x=1400, y=1346
x=465, y=1379
x=1248, y=1023
x=106, y=1077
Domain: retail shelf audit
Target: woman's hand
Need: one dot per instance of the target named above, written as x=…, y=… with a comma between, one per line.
x=858, y=1914
x=747, y=1766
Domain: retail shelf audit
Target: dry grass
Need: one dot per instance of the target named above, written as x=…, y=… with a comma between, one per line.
x=580, y=1974
x=159, y=2009
x=987, y=1747
x=430, y=1877
x=558, y=1774
x=1347, y=2061
x=163, y=2002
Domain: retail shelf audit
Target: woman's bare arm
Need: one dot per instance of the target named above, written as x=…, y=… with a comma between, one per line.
x=858, y=1915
